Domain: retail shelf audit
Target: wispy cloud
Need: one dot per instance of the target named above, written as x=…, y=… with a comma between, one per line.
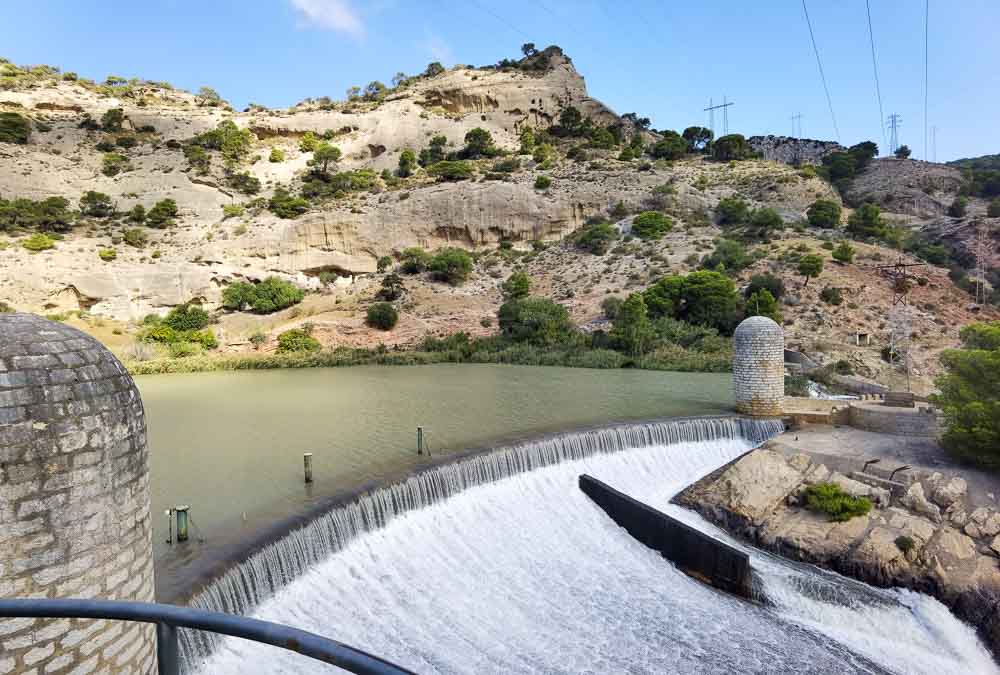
x=335, y=15
x=437, y=48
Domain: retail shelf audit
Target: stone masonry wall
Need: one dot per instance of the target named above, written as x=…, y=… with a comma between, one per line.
x=920, y=421
x=74, y=499
x=759, y=367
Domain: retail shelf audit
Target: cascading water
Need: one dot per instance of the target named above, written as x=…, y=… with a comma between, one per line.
x=498, y=563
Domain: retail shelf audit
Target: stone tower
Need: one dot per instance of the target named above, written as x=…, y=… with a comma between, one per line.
x=74, y=499
x=759, y=367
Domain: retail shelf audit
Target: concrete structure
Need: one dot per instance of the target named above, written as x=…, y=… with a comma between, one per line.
x=920, y=420
x=759, y=367
x=695, y=553
x=74, y=499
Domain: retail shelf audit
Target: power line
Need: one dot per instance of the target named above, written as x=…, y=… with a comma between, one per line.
x=927, y=16
x=878, y=89
x=500, y=19
x=822, y=76
x=894, y=122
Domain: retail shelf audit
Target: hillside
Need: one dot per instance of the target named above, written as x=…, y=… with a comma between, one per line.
x=172, y=145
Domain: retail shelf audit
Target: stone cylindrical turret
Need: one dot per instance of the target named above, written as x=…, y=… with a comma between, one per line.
x=759, y=367
x=74, y=499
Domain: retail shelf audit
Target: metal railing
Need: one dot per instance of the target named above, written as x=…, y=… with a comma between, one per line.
x=168, y=618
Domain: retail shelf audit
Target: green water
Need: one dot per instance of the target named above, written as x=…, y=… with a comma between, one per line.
x=230, y=444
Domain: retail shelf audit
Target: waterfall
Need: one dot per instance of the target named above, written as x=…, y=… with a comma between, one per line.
x=244, y=587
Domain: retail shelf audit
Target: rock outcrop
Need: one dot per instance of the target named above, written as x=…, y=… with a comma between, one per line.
x=757, y=498
x=793, y=150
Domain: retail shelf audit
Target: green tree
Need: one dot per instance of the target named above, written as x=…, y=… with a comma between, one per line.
x=375, y=91
x=434, y=68
x=528, y=49
x=732, y=211
x=382, y=315
x=729, y=255
x=14, y=128
x=392, y=288
x=697, y=138
x=414, y=260
x=762, y=303
x=571, y=121
x=113, y=119
x=731, y=147
x=209, y=97
x=162, y=214
x=602, y=139
x=308, y=142
x=970, y=396
x=96, y=204
x=671, y=146
x=824, y=213
x=517, y=286
x=843, y=253
x=324, y=155
x=651, y=225
x=285, y=205
x=407, y=163
x=353, y=93
x=902, y=152
x=383, y=263
x=434, y=152
x=710, y=299
x=297, y=340
x=277, y=155
x=478, y=143
x=527, y=141
x=631, y=327
x=137, y=214
x=451, y=170
x=186, y=317
x=268, y=296
x=538, y=321
x=772, y=284
x=665, y=298
x=866, y=221
x=596, y=237
x=764, y=223
x=810, y=265
x=451, y=265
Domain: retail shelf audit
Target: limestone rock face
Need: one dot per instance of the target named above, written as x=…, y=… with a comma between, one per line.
x=948, y=493
x=907, y=186
x=756, y=485
x=915, y=500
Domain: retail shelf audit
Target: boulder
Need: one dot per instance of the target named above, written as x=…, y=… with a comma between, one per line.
x=878, y=496
x=946, y=494
x=755, y=485
x=915, y=500
x=995, y=545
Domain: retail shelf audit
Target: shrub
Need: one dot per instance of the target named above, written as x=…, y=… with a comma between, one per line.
x=831, y=295
x=902, y=152
x=126, y=142
x=162, y=214
x=105, y=146
x=277, y=155
x=732, y=211
x=14, y=128
x=843, y=253
x=509, y=165
x=543, y=183
x=651, y=225
x=596, y=237
x=186, y=317
x=180, y=350
x=107, y=254
x=810, y=265
x=135, y=237
x=137, y=214
x=774, y=285
x=451, y=265
x=268, y=296
x=383, y=263
x=671, y=146
x=285, y=205
x=830, y=498
x=478, y=143
x=729, y=257
x=824, y=213
x=245, y=183
x=763, y=223
x=392, y=288
x=539, y=321
x=903, y=542
x=38, y=242
x=114, y=163
x=96, y=204
x=415, y=260
x=382, y=315
x=733, y=146
x=232, y=211
x=517, y=286
x=407, y=163
x=611, y=306
x=451, y=170
x=866, y=221
x=258, y=340
x=958, y=207
x=297, y=340
x=112, y=119
x=762, y=303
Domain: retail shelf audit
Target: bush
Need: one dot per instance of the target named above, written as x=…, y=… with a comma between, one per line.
x=451, y=265
x=843, y=253
x=383, y=263
x=126, y=142
x=135, y=237
x=651, y=225
x=451, y=170
x=162, y=214
x=14, y=128
x=543, y=183
x=112, y=119
x=762, y=303
x=596, y=237
x=866, y=221
x=51, y=214
x=810, y=265
x=763, y=223
x=271, y=295
x=733, y=146
x=732, y=211
x=137, y=214
x=831, y=295
x=114, y=163
x=517, y=286
x=277, y=155
x=824, y=213
x=96, y=204
x=611, y=306
x=285, y=205
x=232, y=211
x=671, y=146
x=180, y=350
x=538, y=321
x=234, y=143
x=382, y=315
x=38, y=242
x=703, y=298
x=297, y=340
x=407, y=163
x=729, y=257
x=414, y=260
x=107, y=254
x=245, y=183
x=903, y=542
x=392, y=288
x=186, y=317
x=830, y=498
x=772, y=284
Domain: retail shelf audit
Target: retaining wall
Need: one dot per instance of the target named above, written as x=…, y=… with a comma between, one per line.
x=921, y=421
x=694, y=552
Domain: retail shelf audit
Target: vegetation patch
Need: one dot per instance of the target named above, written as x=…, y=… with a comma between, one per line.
x=831, y=499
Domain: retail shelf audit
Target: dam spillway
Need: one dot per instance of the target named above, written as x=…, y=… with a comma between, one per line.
x=498, y=563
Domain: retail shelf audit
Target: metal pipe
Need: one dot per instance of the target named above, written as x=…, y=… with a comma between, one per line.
x=168, y=660
x=869, y=463
x=299, y=641
x=420, y=440
x=182, y=522
x=897, y=470
x=307, y=466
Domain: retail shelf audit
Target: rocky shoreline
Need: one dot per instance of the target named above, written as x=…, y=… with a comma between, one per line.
x=952, y=549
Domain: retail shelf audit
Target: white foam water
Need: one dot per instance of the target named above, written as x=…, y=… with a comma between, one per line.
x=500, y=564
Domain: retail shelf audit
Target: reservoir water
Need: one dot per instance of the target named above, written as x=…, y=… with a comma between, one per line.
x=499, y=564
x=230, y=444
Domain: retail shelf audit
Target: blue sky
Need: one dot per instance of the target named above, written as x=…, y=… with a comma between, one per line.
x=662, y=59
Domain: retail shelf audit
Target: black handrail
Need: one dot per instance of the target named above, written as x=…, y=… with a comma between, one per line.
x=168, y=618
